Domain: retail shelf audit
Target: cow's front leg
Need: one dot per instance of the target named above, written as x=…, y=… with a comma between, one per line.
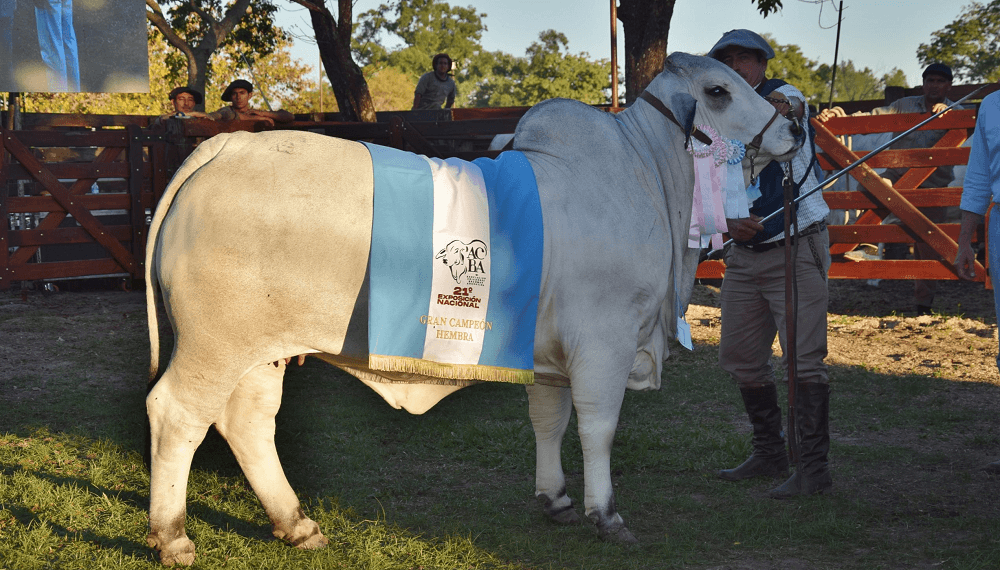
x=598, y=401
x=248, y=426
x=549, y=408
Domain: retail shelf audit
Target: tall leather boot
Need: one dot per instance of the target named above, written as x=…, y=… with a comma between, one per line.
x=812, y=420
x=769, y=458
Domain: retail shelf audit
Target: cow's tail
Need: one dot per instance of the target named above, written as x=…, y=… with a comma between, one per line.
x=205, y=152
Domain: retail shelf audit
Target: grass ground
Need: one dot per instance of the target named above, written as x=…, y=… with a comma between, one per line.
x=453, y=488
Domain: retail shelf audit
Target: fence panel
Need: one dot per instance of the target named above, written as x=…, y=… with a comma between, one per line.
x=74, y=203
x=876, y=198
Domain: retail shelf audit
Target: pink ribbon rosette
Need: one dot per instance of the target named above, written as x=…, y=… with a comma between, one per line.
x=719, y=191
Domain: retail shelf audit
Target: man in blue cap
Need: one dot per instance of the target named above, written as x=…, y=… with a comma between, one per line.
x=937, y=84
x=753, y=295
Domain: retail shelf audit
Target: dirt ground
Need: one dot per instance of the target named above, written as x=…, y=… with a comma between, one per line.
x=868, y=326
x=875, y=327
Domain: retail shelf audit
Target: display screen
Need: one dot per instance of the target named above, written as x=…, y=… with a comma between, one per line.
x=85, y=46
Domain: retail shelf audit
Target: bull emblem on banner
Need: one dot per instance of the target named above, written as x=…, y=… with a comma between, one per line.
x=463, y=258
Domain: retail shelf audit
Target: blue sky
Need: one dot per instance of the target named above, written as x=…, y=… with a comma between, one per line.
x=878, y=34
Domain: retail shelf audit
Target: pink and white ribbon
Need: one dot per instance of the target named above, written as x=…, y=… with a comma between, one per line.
x=718, y=188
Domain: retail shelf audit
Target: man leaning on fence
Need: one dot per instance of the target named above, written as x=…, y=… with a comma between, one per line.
x=981, y=188
x=753, y=296
x=936, y=85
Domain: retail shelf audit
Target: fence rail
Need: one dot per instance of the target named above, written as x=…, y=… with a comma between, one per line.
x=59, y=228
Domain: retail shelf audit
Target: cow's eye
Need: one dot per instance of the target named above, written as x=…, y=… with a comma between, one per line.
x=716, y=91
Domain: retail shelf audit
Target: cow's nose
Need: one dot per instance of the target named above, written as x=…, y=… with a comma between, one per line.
x=796, y=128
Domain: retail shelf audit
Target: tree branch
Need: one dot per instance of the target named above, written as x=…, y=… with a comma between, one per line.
x=311, y=6
x=233, y=16
x=155, y=16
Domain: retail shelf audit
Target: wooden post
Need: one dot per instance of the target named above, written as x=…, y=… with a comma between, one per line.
x=4, y=216
x=137, y=211
x=614, y=54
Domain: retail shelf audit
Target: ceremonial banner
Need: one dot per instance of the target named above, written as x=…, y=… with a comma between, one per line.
x=455, y=266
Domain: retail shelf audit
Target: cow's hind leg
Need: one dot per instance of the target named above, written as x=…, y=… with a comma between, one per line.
x=176, y=430
x=598, y=403
x=248, y=426
x=549, y=408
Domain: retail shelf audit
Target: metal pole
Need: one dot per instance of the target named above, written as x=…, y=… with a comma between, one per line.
x=858, y=162
x=263, y=94
x=836, y=51
x=614, y=54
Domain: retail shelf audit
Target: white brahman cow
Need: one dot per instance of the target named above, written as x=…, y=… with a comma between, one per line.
x=260, y=244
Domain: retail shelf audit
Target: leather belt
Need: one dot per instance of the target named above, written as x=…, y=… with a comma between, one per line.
x=811, y=229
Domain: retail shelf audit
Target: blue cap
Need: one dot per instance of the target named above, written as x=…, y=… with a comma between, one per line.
x=742, y=38
x=938, y=69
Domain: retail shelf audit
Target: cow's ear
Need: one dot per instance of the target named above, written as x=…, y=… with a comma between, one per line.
x=684, y=105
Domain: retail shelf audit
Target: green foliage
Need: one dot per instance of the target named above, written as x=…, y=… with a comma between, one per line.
x=813, y=79
x=425, y=28
x=969, y=45
x=858, y=84
x=254, y=36
x=390, y=88
x=791, y=65
x=766, y=7
x=275, y=75
x=484, y=79
x=498, y=79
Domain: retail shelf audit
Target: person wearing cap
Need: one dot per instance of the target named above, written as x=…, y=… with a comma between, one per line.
x=436, y=87
x=753, y=295
x=184, y=100
x=980, y=189
x=937, y=84
x=238, y=94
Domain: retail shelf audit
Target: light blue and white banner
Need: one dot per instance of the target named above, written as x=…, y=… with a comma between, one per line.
x=455, y=266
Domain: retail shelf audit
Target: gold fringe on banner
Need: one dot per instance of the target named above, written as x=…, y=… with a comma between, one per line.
x=452, y=371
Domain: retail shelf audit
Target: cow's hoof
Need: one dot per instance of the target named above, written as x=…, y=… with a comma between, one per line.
x=313, y=542
x=617, y=534
x=560, y=509
x=305, y=534
x=178, y=551
x=568, y=516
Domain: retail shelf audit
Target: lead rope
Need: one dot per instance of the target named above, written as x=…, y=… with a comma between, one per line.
x=791, y=312
x=754, y=146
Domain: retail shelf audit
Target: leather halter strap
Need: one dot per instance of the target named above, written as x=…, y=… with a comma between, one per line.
x=701, y=136
x=659, y=106
x=755, y=143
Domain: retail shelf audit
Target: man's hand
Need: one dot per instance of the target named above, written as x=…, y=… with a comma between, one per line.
x=965, y=262
x=743, y=229
x=827, y=114
x=938, y=107
x=258, y=116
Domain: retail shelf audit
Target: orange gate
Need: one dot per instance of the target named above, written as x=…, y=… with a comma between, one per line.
x=876, y=198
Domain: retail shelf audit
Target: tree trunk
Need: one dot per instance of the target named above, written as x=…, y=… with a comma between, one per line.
x=334, y=40
x=646, y=24
x=198, y=72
